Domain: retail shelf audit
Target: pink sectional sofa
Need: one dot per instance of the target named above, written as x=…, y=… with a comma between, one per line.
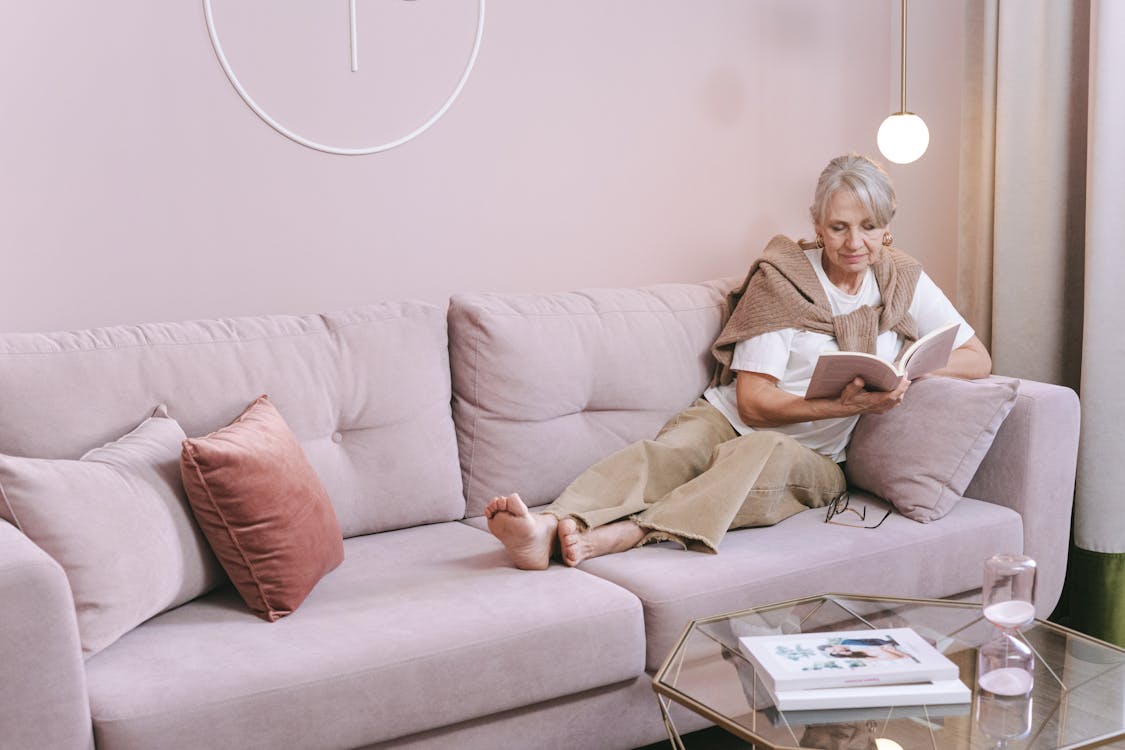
x=425, y=636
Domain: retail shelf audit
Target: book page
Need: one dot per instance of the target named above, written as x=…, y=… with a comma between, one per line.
x=931, y=352
x=938, y=692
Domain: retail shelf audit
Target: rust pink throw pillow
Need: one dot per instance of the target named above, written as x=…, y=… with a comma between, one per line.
x=263, y=509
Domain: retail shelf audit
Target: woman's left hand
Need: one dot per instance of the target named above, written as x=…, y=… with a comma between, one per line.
x=968, y=361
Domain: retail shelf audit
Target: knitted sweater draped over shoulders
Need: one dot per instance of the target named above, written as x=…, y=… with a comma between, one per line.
x=782, y=290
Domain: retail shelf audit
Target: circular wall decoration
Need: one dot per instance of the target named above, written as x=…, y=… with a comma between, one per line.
x=354, y=38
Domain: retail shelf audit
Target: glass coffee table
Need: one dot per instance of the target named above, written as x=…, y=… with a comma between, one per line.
x=1078, y=698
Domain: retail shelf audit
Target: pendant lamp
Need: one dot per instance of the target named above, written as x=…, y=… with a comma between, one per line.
x=903, y=137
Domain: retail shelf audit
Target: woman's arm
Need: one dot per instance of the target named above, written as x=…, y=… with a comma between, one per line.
x=968, y=361
x=762, y=404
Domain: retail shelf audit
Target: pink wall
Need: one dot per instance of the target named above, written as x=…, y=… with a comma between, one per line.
x=596, y=144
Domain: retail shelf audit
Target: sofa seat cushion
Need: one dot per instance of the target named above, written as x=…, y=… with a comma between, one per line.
x=802, y=556
x=417, y=629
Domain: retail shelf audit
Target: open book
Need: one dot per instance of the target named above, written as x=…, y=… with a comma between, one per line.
x=834, y=370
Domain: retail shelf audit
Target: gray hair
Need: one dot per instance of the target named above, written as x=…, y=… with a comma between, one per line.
x=864, y=179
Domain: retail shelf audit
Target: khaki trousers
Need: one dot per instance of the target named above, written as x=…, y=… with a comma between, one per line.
x=698, y=478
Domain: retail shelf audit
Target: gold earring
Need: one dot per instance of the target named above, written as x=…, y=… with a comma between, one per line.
x=888, y=239
x=819, y=241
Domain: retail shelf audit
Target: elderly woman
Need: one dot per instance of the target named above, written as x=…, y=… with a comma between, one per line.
x=753, y=451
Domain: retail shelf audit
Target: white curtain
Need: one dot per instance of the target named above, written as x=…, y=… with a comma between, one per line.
x=1100, y=521
x=1041, y=268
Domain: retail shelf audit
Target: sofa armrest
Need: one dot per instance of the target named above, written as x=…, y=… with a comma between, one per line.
x=43, y=700
x=1030, y=468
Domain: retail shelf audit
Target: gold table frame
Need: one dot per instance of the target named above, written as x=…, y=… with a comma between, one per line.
x=1078, y=700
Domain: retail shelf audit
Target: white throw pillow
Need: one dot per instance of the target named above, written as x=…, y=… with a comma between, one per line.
x=118, y=523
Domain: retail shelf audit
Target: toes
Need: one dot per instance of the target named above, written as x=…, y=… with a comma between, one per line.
x=569, y=541
x=493, y=507
x=504, y=504
x=569, y=553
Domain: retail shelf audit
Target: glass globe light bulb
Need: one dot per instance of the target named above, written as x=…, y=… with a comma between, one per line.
x=903, y=137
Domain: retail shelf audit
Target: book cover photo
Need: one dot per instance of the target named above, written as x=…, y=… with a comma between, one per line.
x=804, y=661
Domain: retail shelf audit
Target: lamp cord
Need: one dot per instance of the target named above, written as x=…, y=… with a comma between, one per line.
x=902, y=108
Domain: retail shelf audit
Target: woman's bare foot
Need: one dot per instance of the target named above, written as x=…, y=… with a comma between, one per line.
x=530, y=538
x=577, y=544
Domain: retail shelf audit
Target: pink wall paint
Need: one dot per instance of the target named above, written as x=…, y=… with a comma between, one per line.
x=596, y=144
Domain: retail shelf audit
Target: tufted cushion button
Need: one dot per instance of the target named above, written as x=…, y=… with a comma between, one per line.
x=337, y=437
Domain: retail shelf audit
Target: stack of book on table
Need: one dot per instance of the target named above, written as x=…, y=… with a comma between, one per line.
x=854, y=669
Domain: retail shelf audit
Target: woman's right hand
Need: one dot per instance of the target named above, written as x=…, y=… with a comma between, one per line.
x=857, y=399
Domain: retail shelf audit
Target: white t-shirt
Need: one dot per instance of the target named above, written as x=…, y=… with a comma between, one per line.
x=790, y=355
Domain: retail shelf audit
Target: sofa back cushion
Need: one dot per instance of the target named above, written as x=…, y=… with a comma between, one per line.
x=544, y=385
x=366, y=391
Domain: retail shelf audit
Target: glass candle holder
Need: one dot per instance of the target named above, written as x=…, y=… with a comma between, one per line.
x=1005, y=663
